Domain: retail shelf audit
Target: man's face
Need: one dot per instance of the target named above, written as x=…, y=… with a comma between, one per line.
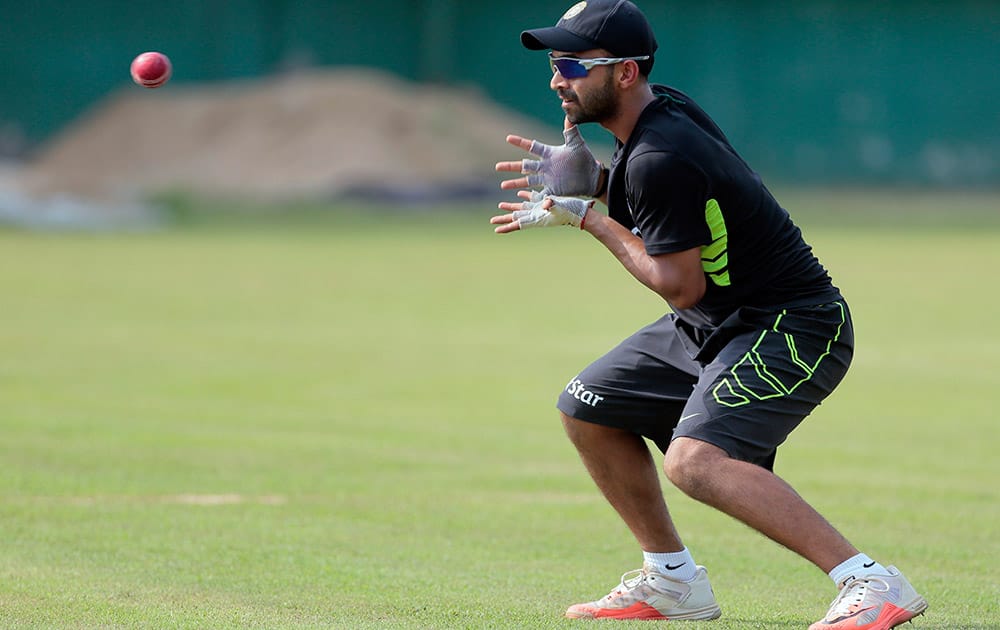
x=591, y=98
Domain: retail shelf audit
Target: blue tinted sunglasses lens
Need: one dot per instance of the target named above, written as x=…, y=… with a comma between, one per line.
x=568, y=68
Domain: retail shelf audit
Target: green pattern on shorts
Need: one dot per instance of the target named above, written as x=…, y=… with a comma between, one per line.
x=739, y=393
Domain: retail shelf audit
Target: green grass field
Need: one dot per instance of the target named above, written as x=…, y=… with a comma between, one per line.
x=348, y=422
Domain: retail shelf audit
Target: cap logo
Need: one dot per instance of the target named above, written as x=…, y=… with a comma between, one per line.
x=574, y=10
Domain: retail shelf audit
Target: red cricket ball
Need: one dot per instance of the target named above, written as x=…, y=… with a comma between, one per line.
x=151, y=69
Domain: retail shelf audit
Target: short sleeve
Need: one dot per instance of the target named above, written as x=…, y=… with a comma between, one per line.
x=667, y=198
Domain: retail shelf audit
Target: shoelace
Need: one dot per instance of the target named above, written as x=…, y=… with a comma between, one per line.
x=853, y=594
x=630, y=580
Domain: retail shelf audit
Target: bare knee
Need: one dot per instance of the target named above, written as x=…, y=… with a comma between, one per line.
x=572, y=426
x=591, y=436
x=579, y=431
x=689, y=465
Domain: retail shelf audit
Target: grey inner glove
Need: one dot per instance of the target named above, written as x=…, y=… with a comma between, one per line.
x=569, y=169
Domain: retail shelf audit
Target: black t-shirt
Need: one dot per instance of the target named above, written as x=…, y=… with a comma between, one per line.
x=679, y=184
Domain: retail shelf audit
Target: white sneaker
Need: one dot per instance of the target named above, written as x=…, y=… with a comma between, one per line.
x=645, y=594
x=873, y=602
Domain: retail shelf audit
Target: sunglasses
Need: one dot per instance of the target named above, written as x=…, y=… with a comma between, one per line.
x=573, y=68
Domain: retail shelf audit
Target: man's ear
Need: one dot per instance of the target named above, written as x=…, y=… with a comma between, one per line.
x=628, y=73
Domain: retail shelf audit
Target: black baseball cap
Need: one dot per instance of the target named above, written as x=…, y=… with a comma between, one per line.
x=617, y=26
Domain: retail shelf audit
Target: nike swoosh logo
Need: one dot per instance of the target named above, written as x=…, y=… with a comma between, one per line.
x=869, y=565
x=688, y=417
x=674, y=568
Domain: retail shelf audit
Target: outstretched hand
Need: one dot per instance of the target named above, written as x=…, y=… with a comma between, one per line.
x=568, y=169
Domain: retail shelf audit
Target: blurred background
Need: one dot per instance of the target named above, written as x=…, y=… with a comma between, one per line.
x=409, y=100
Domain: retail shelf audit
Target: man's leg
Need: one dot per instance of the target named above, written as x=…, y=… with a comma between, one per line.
x=637, y=391
x=748, y=399
x=758, y=498
x=879, y=599
x=623, y=468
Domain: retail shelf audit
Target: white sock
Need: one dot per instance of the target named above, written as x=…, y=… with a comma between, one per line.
x=857, y=567
x=677, y=565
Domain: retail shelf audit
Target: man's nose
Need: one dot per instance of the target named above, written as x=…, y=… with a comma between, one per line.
x=558, y=81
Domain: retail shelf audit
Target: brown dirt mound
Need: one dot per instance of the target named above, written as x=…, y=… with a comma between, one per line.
x=303, y=135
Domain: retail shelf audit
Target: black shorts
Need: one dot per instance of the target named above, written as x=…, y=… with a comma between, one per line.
x=762, y=374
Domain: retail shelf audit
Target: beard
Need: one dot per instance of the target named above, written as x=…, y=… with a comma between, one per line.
x=599, y=105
